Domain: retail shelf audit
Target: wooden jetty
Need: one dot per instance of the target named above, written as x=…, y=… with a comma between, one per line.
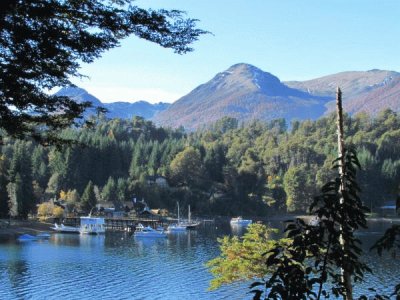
x=120, y=223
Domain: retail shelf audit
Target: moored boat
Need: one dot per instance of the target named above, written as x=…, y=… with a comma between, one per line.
x=183, y=225
x=27, y=238
x=148, y=232
x=65, y=229
x=190, y=224
x=240, y=221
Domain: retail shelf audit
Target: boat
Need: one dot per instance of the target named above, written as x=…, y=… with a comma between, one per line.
x=240, y=221
x=27, y=238
x=189, y=224
x=43, y=236
x=148, y=232
x=65, y=229
x=178, y=226
x=92, y=225
x=314, y=221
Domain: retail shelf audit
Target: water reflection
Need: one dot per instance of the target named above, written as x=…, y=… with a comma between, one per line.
x=17, y=269
x=92, y=241
x=64, y=239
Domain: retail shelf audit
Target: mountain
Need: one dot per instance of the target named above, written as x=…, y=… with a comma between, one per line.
x=368, y=91
x=247, y=93
x=79, y=95
x=123, y=110
x=243, y=92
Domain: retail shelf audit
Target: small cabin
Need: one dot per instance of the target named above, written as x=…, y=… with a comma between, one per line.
x=158, y=180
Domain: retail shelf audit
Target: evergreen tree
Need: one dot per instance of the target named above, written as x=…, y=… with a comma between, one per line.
x=88, y=199
x=4, y=210
x=20, y=177
x=109, y=191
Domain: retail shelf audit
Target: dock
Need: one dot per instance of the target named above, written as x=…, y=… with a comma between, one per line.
x=120, y=223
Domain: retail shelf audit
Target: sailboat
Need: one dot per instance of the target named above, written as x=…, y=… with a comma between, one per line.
x=183, y=225
x=189, y=223
x=178, y=226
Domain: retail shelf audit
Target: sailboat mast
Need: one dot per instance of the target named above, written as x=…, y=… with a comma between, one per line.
x=189, y=214
x=178, y=212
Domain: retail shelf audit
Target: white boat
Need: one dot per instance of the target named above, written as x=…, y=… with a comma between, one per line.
x=148, y=232
x=314, y=221
x=176, y=227
x=92, y=225
x=65, y=229
x=240, y=221
x=43, y=235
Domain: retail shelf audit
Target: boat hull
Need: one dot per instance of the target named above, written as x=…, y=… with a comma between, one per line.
x=65, y=229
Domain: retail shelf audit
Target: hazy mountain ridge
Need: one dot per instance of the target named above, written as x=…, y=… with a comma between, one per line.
x=351, y=83
x=363, y=91
x=245, y=92
x=119, y=109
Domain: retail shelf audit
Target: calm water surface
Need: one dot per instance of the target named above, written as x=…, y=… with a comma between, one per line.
x=118, y=266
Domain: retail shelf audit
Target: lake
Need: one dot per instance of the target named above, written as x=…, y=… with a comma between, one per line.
x=119, y=266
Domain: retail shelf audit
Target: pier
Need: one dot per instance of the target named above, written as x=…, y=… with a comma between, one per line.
x=121, y=223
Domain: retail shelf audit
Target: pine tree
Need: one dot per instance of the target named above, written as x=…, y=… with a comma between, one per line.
x=88, y=199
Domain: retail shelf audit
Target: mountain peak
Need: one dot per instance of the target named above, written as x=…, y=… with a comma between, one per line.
x=245, y=92
x=79, y=95
x=248, y=77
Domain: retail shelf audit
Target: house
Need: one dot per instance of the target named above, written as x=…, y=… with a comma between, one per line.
x=158, y=180
x=160, y=212
x=107, y=209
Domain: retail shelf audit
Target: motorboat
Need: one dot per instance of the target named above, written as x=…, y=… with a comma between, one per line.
x=27, y=238
x=92, y=225
x=314, y=221
x=65, y=229
x=43, y=236
x=240, y=221
x=177, y=227
x=148, y=232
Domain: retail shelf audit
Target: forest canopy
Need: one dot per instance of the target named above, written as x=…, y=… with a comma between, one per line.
x=228, y=169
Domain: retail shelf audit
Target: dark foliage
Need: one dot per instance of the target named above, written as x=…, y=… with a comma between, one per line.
x=43, y=41
x=321, y=253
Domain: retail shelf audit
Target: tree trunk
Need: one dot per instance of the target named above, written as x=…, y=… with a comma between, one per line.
x=346, y=276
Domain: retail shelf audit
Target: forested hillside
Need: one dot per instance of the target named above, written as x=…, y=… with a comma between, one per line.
x=254, y=169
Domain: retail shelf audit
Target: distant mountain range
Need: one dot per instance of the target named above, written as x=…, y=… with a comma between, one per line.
x=247, y=93
x=124, y=110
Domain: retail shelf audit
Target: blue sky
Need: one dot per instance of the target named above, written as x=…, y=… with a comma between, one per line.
x=294, y=40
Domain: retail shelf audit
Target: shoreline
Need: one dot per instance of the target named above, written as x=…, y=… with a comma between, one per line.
x=18, y=227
